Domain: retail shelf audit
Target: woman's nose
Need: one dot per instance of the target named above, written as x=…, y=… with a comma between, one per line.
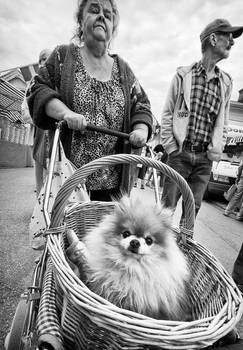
x=101, y=17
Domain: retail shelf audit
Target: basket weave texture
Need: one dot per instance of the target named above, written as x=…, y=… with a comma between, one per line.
x=87, y=321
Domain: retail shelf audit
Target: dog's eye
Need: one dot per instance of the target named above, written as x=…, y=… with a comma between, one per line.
x=148, y=240
x=126, y=234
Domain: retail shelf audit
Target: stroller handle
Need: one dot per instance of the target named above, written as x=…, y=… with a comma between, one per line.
x=82, y=173
x=59, y=125
x=103, y=130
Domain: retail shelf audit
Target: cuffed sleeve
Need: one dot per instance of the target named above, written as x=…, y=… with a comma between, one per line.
x=141, y=109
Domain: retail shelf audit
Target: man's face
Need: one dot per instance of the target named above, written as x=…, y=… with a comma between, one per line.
x=43, y=60
x=43, y=57
x=224, y=42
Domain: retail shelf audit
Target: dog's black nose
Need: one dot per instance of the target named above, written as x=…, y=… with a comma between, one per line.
x=134, y=245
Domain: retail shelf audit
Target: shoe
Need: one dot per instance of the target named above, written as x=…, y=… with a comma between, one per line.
x=135, y=185
x=239, y=218
x=228, y=212
x=147, y=184
x=142, y=187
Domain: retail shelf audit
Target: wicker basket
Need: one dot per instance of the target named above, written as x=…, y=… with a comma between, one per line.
x=87, y=321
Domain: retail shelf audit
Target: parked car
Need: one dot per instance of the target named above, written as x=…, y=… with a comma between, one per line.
x=224, y=172
x=222, y=176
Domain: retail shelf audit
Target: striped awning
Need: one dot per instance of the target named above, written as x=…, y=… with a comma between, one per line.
x=11, y=99
x=234, y=140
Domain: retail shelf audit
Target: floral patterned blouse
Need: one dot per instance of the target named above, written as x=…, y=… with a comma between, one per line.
x=102, y=104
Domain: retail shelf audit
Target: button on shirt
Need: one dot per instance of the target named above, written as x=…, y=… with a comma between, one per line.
x=204, y=105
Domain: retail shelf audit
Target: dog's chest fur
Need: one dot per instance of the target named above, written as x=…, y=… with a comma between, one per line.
x=148, y=286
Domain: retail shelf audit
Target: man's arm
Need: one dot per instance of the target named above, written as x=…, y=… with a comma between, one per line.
x=167, y=137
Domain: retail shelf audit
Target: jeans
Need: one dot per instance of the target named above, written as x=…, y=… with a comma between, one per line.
x=195, y=168
x=236, y=200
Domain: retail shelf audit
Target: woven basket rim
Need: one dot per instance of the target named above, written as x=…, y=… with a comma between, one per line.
x=76, y=287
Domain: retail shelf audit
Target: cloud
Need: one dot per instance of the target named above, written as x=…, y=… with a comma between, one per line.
x=154, y=36
x=29, y=26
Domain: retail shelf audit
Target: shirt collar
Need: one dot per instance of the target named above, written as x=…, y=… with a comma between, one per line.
x=200, y=69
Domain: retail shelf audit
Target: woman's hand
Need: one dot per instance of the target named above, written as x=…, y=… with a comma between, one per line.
x=138, y=137
x=75, y=121
x=56, y=109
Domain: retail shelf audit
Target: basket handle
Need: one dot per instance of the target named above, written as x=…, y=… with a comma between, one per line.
x=81, y=174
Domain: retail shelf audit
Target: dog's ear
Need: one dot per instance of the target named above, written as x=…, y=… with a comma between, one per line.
x=166, y=215
x=117, y=197
x=123, y=206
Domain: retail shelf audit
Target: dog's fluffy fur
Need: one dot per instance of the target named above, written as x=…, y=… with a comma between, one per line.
x=134, y=262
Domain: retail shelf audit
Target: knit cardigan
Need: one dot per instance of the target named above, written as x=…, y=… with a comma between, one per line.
x=56, y=80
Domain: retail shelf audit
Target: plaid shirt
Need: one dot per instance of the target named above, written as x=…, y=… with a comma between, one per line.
x=204, y=105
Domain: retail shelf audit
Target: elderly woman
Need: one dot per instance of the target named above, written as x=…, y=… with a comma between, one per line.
x=82, y=83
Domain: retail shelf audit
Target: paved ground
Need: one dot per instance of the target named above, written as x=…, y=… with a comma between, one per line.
x=17, y=198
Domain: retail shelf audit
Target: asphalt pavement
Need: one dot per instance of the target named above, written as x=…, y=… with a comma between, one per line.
x=17, y=198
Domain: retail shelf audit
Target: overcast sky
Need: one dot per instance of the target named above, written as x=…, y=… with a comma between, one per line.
x=154, y=36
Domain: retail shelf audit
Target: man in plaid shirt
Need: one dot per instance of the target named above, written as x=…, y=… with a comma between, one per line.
x=195, y=115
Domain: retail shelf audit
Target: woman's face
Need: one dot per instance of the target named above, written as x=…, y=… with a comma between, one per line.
x=98, y=20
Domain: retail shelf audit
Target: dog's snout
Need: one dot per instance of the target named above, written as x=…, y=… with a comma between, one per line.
x=134, y=245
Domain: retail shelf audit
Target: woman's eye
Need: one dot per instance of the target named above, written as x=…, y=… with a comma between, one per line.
x=94, y=9
x=149, y=240
x=126, y=234
x=108, y=15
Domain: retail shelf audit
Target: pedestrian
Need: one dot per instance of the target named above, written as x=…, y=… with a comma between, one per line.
x=40, y=147
x=83, y=83
x=195, y=115
x=41, y=140
x=237, y=198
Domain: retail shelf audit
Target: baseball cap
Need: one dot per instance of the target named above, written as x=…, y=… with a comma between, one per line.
x=221, y=25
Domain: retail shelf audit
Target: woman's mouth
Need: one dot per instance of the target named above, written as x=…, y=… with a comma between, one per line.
x=99, y=26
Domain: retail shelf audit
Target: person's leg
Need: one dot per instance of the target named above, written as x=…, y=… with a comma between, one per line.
x=236, y=199
x=149, y=176
x=141, y=175
x=136, y=177
x=142, y=184
x=239, y=216
x=182, y=164
x=161, y=180
x=237, y=273
x=39, y=176
x=199, y=177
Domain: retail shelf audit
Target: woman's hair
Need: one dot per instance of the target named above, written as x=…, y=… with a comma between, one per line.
x=79, y=17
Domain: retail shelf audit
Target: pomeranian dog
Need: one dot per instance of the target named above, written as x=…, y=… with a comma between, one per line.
x=132, y=260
